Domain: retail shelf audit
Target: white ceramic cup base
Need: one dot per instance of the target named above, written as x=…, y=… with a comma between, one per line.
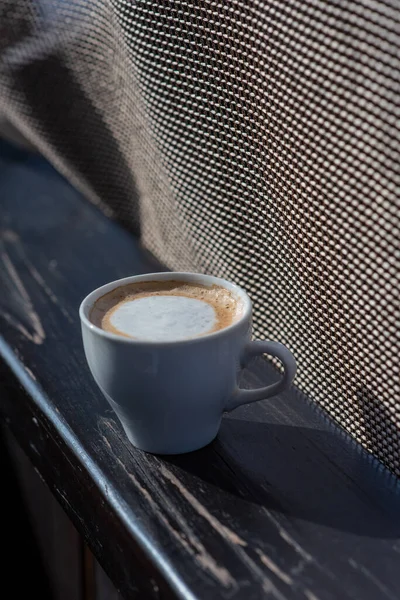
x=194, y=441
x=170, y=395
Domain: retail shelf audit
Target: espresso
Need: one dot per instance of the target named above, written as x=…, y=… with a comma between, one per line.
x=165, y=310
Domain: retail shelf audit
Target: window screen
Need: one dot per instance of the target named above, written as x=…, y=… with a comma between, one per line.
x=254, y=140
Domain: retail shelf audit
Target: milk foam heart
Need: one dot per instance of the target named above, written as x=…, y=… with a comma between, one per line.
x=163, y=318
x=165, y=310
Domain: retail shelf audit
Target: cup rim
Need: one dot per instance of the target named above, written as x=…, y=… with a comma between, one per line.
x=201, y=278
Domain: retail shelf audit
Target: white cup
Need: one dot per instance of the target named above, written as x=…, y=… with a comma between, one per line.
x=170, y=395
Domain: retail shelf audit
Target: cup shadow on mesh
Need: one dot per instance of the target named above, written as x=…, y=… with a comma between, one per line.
x=379, y=432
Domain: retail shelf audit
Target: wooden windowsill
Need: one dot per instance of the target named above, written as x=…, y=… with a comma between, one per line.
x=282, y=505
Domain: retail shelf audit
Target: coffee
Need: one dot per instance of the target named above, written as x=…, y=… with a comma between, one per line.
x=165, y=310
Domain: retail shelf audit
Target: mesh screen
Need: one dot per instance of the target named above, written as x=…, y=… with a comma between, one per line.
x=255, y=140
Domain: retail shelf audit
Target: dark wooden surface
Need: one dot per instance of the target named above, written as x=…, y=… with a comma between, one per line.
x=282, y=505
x=18, y=540
x=67, y=567
x=59, y=546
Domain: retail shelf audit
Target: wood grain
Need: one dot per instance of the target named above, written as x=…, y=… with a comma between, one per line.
x=283, y=505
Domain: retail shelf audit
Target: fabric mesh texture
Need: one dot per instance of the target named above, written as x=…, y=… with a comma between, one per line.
x=257, y=141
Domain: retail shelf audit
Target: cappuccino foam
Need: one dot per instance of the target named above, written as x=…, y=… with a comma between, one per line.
x=165, y=310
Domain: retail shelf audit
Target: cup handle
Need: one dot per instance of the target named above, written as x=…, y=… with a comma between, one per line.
x=275, y=349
